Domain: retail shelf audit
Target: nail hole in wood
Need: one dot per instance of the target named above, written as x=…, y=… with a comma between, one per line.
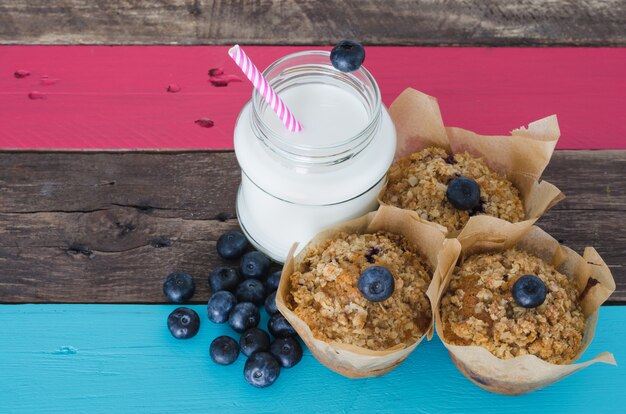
x=161, y=243
x=76, y=249
x=223, y=216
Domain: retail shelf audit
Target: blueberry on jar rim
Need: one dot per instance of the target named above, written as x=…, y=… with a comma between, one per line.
x=347, y=56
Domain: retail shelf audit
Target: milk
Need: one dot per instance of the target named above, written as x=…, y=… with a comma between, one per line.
x=328, y=114
x=282, y=200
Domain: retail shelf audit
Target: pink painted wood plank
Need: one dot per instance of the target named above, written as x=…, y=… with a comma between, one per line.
x=115, y=97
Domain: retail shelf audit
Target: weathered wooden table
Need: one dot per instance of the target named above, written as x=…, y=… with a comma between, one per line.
x=107, y=184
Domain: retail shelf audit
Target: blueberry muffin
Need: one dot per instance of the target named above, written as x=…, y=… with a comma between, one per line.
x=340, y=291
x=448, y=189
x=512, y=303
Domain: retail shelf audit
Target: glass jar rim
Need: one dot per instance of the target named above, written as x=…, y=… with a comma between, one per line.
x=258, y=102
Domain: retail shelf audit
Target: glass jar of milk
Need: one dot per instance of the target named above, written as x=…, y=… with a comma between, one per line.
x=295, y=184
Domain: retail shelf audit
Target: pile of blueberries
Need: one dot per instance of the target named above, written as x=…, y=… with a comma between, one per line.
x=236, y=297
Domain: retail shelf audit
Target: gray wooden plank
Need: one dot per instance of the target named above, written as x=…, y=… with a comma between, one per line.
x=108, y=227
x=303, y=22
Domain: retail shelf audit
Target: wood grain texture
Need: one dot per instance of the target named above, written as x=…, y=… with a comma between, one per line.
x=121, y=358
x=116, y=97
x=108, y=227
x=382, y=22
x=125, y=220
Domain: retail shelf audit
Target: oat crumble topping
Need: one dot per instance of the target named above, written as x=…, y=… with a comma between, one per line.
x=419, y=182
x=478, y=309
x=324, y=292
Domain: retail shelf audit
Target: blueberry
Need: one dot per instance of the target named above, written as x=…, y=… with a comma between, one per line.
x=261, y=370
x=287, y=351
x=376, y=283
x=254, y=265
x=254, y=340
x=224, y=350
x=183, y=323
x=224, y=278
x=280, y=327
x=529, y=291
x=463, y=193
x=371, y=253
x=450, y=159
x=231, y=245
x=251, y=290
x=219, y=306
x=347, y=56
x=270, y=304
x=271, y=284
x=179, y=287
x=243, y=317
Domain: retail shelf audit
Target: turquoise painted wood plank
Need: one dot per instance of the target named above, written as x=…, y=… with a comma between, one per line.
x=121, y=358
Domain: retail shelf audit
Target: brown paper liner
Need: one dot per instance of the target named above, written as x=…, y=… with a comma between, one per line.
x=527, y=373
x=521, y=157
x=350, y=360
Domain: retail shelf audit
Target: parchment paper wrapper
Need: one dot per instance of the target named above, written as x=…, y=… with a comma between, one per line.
x=521, y=157
x=527, y=373
x=350, y=360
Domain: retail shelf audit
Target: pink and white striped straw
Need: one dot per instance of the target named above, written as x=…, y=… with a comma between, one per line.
x=262, y=85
